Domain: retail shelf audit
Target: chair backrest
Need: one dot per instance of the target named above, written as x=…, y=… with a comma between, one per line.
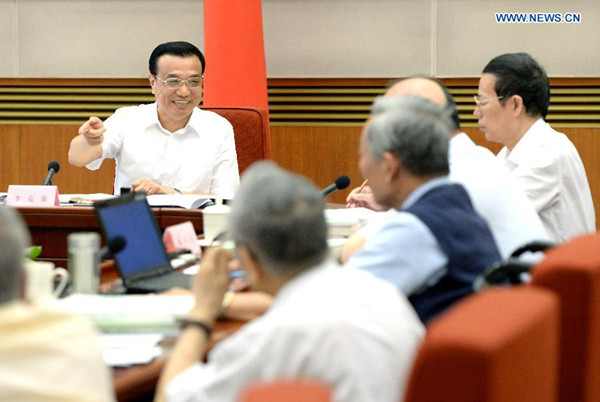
x=573, y=272
x=287, y=391
x=499, y=345
x=252, y=134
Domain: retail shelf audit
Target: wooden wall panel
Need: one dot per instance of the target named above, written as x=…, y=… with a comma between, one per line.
x=324, y=153
x=320, y=153
x=41, y=144
x=9, y=156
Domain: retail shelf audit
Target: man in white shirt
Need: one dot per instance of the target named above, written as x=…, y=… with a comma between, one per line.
x=169, y=146
x=512, y=102
x=344, y=328
x=45, y=354
x=495, y=195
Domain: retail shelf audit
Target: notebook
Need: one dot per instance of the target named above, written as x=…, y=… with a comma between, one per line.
x=143, y=264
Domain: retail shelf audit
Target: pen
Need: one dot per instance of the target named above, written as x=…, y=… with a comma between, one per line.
x=362, y=185
x=237, y=274
x=352, y=203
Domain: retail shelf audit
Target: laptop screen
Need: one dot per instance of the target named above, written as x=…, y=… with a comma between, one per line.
x=130, y=216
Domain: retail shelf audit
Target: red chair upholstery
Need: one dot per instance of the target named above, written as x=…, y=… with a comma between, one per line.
x=252, y=135
x=287, y=391
x=499, y=345
x=573, y=272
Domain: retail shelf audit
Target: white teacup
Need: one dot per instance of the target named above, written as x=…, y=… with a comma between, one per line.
x=214, y=220
x=39, y=280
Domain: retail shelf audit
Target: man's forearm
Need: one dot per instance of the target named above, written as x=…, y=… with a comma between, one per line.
x=81, y=152
x=189, y=349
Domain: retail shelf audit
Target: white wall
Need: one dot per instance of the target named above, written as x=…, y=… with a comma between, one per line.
x=303, y=38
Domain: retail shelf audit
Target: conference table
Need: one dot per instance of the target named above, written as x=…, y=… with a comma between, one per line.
x=138, y=383
x=50, y=226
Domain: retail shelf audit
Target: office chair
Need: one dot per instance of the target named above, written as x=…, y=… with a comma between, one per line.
x=499, y=345
x=572, y=271
x=287, y=391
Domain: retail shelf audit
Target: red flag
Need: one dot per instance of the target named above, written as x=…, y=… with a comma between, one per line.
x=236, y=74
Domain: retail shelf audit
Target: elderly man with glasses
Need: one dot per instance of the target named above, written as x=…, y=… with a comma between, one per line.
x=169, y=146
x=511, y=104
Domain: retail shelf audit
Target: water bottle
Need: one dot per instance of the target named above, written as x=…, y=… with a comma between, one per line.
x=84, y=262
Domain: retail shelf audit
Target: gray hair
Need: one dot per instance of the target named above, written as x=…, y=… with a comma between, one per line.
x=414, y=129
x=14, y=237
x=279, y=217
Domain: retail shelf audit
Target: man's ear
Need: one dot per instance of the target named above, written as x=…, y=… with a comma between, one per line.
x=251, y=265
x=516, y=104
x=152, y=81
x=391, y=166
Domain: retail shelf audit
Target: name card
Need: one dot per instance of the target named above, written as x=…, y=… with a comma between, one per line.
x=32, y=196
x=182, y=235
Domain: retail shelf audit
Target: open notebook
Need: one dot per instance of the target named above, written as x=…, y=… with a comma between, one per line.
x=143, y=264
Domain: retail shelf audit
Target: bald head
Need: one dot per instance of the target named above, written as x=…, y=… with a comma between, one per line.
x=430, y=89
x=417, y=86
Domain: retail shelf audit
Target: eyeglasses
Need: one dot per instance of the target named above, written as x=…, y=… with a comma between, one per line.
x=483, y=102
x=174, y=83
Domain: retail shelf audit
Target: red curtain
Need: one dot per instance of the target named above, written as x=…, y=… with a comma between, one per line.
x=236, y=73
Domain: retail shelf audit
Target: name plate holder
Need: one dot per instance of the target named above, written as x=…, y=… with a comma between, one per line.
x=32, y=196
x=182, y=235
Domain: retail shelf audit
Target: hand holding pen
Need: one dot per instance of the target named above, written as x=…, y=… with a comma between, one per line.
x=363, y=197
x=352, y=200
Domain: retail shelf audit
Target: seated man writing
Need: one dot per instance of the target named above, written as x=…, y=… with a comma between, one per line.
x=170, y=146
x=345, y=328
x=431, y=243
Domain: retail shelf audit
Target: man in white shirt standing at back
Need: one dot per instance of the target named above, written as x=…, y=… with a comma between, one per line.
x=512, y=102
x=169, y=146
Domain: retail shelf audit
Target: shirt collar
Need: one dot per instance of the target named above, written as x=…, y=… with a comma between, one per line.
x=194, y=122
x=423, y=189
x=521, y=151
x=460, y=141
x=299, y=281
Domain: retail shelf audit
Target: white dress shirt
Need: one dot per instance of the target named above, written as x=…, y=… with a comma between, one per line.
x=342, y=327
x=51, y=356
x=199, y=158
x=549, y=169
x=495, y=195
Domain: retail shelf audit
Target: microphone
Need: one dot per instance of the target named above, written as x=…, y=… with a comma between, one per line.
x=340, y=183
x=114, y=246
x=53, y=168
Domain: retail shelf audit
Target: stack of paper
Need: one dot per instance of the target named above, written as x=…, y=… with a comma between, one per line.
x=345, y=221
x=130, y=313
x=121, y=350
x=189, y=201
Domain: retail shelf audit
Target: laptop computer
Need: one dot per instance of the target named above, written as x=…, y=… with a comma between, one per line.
x=143, y=264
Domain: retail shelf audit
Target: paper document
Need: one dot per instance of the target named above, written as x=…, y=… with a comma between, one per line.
x=345, y=221
x=128, y=349
x=130, y=313
x=83, y=199
x=189, y=201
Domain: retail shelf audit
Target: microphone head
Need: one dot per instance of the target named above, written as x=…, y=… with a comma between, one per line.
x=116, y=244
x=54, y=165
x=342, y=182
